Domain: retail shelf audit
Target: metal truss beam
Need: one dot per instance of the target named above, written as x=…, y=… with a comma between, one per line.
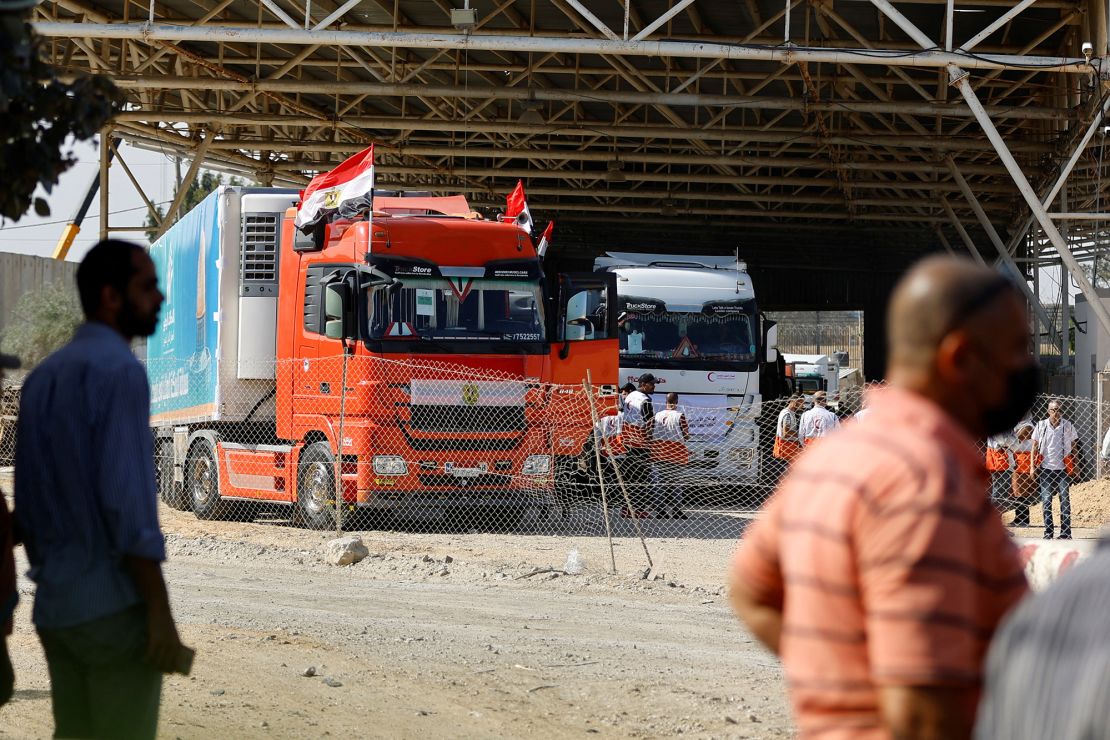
x=584, y=128
x=928, y=57
x=630, y=97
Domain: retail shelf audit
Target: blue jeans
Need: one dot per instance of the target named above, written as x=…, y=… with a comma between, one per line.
x=1000, y=486
x=1051, y=483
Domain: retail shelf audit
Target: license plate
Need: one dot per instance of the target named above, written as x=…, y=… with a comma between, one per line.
x=461, y=472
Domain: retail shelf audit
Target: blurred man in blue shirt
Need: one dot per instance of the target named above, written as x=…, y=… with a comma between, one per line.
x=9, y=597
x=86, y=507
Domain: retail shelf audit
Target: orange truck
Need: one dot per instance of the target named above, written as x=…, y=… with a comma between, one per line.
x=417, y=342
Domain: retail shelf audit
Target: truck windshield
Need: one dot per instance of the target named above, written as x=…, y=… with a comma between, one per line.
x=472, y=309
x=683, y=339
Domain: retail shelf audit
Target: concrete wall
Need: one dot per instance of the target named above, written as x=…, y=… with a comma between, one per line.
x=22, y=273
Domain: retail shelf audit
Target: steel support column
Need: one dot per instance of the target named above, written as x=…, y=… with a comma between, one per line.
x=1065, y=293
x=105, y=163
x=960, y=80
x=966, y=237
x=190, y=175
x=1094, y=126
x=999, y=246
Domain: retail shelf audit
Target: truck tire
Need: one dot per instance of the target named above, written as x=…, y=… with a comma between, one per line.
x=202, y=481
x=169, y=491
x=316, y=487
x=571, y=486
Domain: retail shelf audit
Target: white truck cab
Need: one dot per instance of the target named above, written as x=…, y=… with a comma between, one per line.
x=814, y=373
x=693, y=323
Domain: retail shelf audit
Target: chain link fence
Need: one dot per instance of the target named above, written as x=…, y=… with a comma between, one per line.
x=342, y=444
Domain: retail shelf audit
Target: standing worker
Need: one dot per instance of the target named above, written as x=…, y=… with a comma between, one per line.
x=671, y=455
x=625, y=390
x=1054, y=445
x=637, y=427
x=1022, y=484
x=86, y=508
x=999, y=465
x=787, y=445
x=876, y=571
x=818, y=421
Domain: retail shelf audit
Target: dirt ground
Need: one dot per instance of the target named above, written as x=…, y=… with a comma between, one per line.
x=444, y=635
x=1090, y=508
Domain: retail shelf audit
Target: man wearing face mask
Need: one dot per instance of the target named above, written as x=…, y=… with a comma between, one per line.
x=881, y=601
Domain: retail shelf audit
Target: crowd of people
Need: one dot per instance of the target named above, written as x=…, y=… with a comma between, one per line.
x=649, y=449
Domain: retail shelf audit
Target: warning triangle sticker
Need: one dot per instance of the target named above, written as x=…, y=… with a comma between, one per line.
x=685, y=348
x=461, y=287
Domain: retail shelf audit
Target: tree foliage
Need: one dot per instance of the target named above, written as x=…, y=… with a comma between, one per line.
x=42, y=321
x=38, y=113
x=1099, y=272
x=198, y=189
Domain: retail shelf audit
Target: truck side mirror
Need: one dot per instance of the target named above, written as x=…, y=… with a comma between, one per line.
x=313, y=241
x=771, y=342
x=337, y=304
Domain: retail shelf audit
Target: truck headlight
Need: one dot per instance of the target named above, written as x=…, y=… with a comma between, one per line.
x=390, y=465
x=742, y=455
x=536, y=465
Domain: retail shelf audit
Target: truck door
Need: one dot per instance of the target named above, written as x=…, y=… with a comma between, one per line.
x=585, y=330
x=585, y=338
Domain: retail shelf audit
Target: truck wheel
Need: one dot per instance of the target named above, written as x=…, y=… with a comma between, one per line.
x=316, y=487
x=202, y=481
x=168, y=490
x=571, y=485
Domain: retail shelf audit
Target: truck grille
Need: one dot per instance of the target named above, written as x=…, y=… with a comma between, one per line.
x=428, y=418
x=446, y=480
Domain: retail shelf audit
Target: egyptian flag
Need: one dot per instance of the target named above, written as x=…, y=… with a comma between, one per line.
x=346, y=190
x=545, y=240
x=516, y=208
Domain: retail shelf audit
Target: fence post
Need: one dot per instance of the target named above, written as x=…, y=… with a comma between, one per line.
x=620, y=482
x=339, y=502
x=1099, y=379
x=588, y=387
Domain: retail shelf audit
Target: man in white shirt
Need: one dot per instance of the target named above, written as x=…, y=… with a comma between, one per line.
x=818, y=421
x=637, y=427
x=672, y=432
x=1054, y=444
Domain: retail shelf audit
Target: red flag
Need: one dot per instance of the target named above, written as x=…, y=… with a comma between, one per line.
x=545, y=240
x=348, y=187
x=516, y=207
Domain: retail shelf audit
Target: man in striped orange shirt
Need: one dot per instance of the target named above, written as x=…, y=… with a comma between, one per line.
x=879, y=569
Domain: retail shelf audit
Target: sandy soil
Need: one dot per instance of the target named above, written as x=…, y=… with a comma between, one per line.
x=1090, y=509
x=446, y=635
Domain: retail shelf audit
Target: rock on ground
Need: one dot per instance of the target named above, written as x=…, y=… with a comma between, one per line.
x=345, y=551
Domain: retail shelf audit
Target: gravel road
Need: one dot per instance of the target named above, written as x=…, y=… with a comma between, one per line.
x=443, y=635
